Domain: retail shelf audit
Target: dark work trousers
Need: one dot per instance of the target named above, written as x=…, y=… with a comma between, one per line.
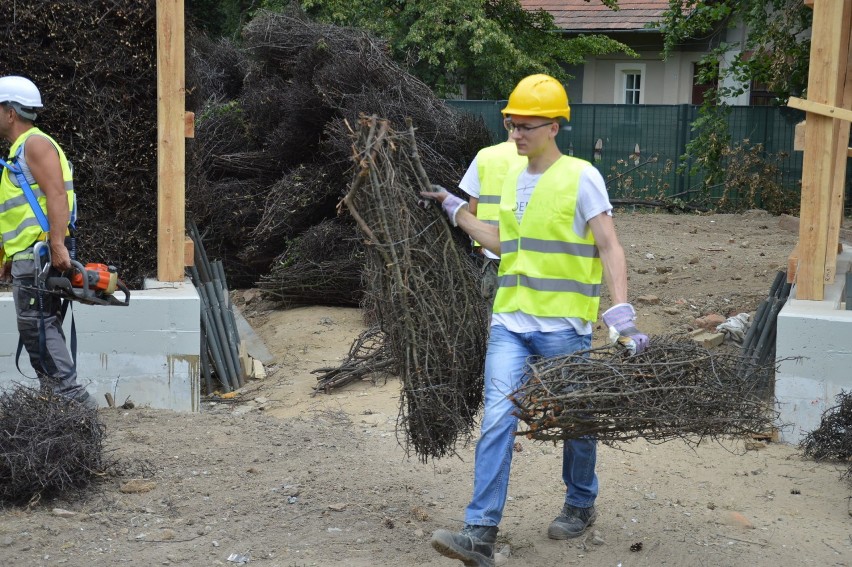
x=488, y=283
x=54, y=366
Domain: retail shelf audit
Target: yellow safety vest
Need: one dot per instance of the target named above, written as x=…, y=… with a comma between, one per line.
x=492, y=165
x=19, y=226
x=546, y=270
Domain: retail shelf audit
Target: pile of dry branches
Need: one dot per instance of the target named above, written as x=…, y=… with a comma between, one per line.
x=272, y=152
x=48, y=446
x=424, y=287
x=832, y=440
x=674, y=389
x=270, y=157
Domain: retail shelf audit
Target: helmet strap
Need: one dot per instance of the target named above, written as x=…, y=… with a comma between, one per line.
x=25, y=113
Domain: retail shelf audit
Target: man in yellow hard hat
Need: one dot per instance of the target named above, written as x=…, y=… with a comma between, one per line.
x=557, y=243
x=36, y=204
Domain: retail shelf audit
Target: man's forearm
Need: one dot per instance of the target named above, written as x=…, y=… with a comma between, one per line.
x=57, y=216
x=486, y=234
x=615, y=273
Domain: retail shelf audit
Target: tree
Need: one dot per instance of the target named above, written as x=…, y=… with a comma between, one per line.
x=487, y=45
x=776, y=50
x=775, y=54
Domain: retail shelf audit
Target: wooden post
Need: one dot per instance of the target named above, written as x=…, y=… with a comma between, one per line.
x=838, y=183
x=829, y=50
x=171, y=143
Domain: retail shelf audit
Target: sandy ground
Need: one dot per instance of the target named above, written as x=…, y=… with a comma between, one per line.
x=288, y=479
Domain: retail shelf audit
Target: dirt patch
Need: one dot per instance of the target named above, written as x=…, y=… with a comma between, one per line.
x=291, y=479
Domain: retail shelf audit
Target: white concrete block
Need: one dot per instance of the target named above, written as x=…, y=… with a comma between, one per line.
x=149, y=350
x=817, y=337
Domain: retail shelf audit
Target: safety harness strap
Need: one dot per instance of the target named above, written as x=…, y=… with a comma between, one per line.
x=27, y=190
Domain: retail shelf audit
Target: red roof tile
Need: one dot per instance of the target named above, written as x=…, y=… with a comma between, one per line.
x=583, y=15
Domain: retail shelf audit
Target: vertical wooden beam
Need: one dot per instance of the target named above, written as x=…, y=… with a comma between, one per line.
x=171, y=144
x=829, y=48
x=838, y=182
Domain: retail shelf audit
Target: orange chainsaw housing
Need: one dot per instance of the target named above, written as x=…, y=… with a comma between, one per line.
x=100, y=277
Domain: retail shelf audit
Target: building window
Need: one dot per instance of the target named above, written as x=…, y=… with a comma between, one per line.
x=629, y=83
x=632, y=87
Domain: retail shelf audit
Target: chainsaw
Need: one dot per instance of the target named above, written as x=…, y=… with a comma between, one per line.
x=92, y=284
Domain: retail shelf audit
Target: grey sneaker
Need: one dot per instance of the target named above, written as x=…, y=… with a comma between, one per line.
x=571, y=522
x=473, y=546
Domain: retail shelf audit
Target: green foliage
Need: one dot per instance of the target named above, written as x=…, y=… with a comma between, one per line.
x=706, y=148
x=752, y=179
x=778, y=42
x=632, y=178
x=486, y=44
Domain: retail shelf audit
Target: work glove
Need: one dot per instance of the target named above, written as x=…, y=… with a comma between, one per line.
x=620, y=320
x=451, y=204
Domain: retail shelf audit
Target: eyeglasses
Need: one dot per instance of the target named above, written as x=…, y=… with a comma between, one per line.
x=522, y=128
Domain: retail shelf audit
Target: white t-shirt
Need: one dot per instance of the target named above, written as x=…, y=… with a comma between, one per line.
x=592, y=200
x=471, y=185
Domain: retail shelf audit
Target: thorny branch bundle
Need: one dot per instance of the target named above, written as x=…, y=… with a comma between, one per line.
x=48, y=445
x=832, y=440
x=272, y=154
x=674, y=389
x=422, y=286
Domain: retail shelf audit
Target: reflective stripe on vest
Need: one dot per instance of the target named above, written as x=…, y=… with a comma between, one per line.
x=19, y=226
x=546, y=270
x=492, y=165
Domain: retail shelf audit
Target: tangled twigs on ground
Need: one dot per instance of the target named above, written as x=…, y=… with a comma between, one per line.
x=49, y=445
x=832, y=440
x=424, y=287
x=675, y=389
x=368, y=355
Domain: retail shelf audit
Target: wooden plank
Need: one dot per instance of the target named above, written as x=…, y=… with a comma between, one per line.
x=829, y=44
x=188, y=252
x=821, y=109
x=189, y=125
x=799, y=136
x=849, y=152
x=792, y=265
x=838, y=181
x=171, y=142
x=809, y=3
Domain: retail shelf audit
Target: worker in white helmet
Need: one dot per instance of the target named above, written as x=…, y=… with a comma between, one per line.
x=36, y=204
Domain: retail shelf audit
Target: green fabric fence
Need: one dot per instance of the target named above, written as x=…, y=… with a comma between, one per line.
x=661, y=130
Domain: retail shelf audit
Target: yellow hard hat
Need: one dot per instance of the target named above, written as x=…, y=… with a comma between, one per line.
x=539, y=95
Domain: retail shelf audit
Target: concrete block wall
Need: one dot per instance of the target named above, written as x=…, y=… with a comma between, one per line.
x=148, y=351
x=819, y=335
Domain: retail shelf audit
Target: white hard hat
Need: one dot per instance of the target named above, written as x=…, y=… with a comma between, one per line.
x=20, y=90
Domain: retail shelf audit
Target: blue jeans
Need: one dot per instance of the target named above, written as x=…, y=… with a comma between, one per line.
x=505, y=365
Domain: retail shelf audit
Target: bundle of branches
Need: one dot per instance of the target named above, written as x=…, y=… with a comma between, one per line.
x=303, y=197
x=49, y=445
x=322, y=265
x=425, y=289
x=832, y=440
x=284, y=127
x=368, y=355
x=674, y=389
x=94, y=63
